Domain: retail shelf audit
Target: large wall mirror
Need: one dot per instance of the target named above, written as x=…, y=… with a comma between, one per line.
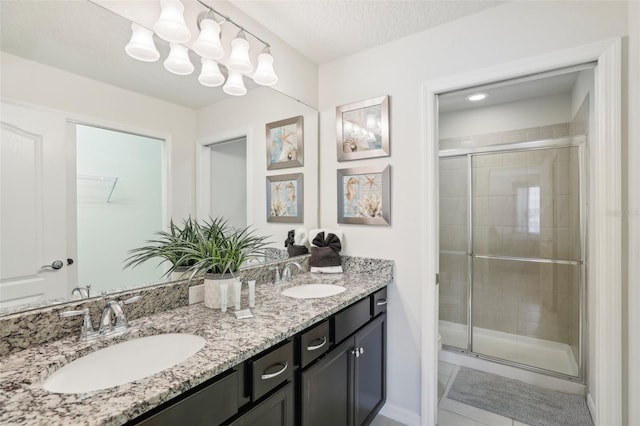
x=99, y=151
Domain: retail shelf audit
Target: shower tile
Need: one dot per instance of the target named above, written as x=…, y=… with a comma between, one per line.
x=487, y=160
x=562, y=210
x=481, y=181
x=562, y=178
x=561, y=130
x=480, y=211
x=453, y=183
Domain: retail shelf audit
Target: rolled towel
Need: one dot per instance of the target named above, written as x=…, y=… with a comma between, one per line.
x=300, y=237
x=293, y=248
x=325, y=253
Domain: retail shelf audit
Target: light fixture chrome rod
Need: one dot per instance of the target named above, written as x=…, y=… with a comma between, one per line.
x=227, y=19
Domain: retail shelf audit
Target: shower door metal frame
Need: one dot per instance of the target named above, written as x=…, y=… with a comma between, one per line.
x=469, y=153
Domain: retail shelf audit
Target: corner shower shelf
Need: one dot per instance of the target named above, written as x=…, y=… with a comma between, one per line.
x=103, y=179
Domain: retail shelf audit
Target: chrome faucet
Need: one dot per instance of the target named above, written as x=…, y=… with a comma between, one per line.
x=276, y=276
x=86, y=331
x=83, y=291
x=286, y=271
x=115, y=310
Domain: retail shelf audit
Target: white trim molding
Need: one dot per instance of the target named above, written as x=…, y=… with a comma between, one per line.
x=604, y=261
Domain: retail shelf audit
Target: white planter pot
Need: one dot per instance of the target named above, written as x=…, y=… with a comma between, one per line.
x=212, y=290
x=181, y=273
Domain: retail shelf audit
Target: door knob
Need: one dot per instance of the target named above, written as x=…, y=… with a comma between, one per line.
x=56, y=264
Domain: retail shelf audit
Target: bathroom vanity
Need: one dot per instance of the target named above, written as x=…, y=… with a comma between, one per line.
x=286, y=365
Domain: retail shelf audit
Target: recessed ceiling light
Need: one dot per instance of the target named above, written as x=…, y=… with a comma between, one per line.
x=477, y=97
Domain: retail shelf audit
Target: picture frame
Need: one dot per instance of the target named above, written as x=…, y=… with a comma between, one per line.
x=364, y=195
x=363, y=129
x=285, y=143
x=285, y=198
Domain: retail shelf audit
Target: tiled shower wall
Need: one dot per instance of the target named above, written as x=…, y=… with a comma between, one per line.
x=526, y=204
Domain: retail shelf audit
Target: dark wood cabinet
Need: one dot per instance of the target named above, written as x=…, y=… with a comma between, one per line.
x=277, y=410
x=348, y=385
x=333, y=373
x=370, y=390
x=324, y=389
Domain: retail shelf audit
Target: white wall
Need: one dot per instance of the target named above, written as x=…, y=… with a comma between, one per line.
x=97, y=103
x=535, y=112
x=248, y=116
x=502, y=34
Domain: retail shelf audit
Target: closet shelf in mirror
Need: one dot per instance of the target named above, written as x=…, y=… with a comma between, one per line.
x=102, y=179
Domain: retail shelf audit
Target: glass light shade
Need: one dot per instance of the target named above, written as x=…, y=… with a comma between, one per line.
x=171, y=25
x=178, y=61
x=265, y=75
x=234, y=85
x=239, y=59
x=141, y=46
x=210, y=74
x=208, y=43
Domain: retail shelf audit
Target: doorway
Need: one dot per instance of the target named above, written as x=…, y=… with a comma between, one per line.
x=605, y=194
x=228, y=181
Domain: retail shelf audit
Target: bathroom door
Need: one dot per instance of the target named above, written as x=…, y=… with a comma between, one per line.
x=33, y=195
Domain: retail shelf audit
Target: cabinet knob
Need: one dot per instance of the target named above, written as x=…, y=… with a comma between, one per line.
x=357, y=352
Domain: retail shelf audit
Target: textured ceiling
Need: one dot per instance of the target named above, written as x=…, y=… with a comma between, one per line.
x=83, y=38
x=324, y=30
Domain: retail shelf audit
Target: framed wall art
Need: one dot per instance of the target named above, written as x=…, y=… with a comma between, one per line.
x=285, y=198
x=364, y=195
x=285, y=143
x=363, y=129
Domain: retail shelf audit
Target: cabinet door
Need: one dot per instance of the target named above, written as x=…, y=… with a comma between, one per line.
x=370, y=370
x=276, y=410
x=326, y=395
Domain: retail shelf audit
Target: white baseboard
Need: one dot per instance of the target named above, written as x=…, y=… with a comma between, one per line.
x=399, y=414
x=591, y=405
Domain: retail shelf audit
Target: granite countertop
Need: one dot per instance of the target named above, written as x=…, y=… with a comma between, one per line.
x=229, y=341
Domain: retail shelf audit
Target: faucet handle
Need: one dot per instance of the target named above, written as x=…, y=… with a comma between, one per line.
x=133, y=299
x=276, y=279
x=87, y=328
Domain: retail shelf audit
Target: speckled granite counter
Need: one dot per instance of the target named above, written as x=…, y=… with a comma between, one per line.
x=228, y=342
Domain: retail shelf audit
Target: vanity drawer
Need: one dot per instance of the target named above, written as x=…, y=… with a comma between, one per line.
x=314, y=342
x=379, y=302
x=210, y=404
x=271, y=369
x=351, y=319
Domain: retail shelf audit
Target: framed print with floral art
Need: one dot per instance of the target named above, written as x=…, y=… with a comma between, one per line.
x=285, y=143
x=285, y=198
x=363, y=129
x=364, y=196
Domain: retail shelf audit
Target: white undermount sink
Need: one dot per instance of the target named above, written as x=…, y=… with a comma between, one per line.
x=312, y=291
x=123, y=363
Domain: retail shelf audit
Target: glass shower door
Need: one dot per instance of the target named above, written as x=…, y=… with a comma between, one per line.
x=526, y=257
x=454, y=236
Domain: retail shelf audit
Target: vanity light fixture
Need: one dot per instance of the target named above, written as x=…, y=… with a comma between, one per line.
x=234, y=85
x=208, y=43
x=475, y=97
x=239, y=59
x=141, y=46
x=265, y=75
x=171, y=26
x=178, y=61
x=210, y=75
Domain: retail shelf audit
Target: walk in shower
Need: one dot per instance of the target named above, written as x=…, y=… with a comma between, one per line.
x=512, y=246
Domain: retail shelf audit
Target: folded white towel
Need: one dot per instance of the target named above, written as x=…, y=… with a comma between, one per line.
x=300, y=237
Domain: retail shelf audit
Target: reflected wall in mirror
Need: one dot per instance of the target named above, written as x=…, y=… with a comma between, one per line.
x=82, y=79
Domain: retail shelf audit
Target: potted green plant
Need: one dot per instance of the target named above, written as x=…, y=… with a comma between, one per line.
x=168, y=247
x=217, y=252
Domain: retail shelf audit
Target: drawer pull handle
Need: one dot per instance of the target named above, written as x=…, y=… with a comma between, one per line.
x=277, y=373
x=318, y=346
x=381, y=302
